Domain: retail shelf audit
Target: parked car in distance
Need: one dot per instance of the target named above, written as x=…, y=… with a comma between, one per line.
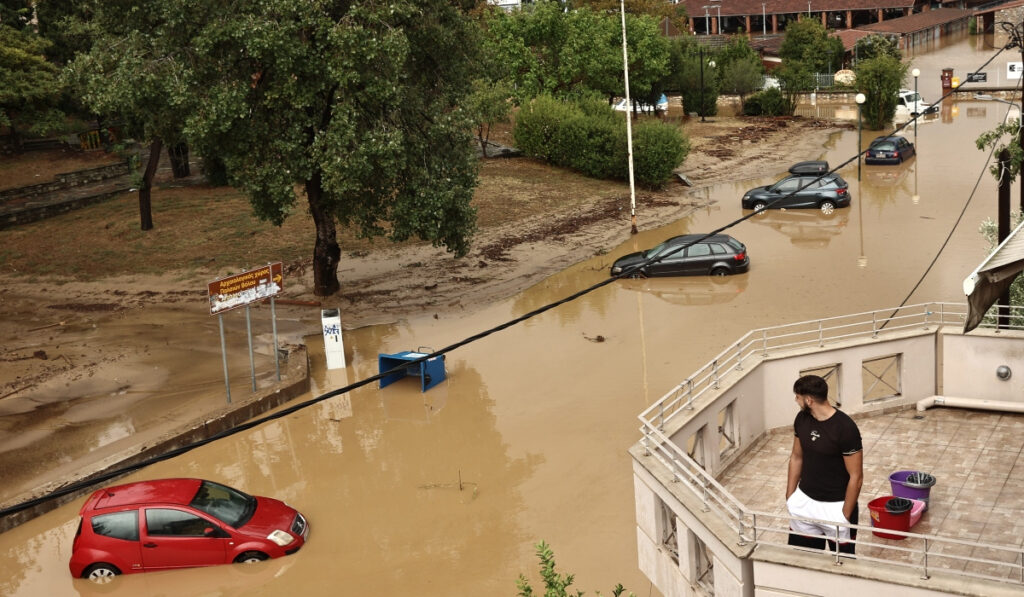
x=179, y=523
x=717, y=255
x=805, y=187
x=889, y=150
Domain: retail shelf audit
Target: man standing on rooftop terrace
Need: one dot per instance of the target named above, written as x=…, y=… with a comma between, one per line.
x=826, y=470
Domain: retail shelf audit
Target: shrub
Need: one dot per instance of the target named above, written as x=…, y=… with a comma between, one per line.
x=590, y=137
x=657, y=150
x=537, y=124
x=770, y=102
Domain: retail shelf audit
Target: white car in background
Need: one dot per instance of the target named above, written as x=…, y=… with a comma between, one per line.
x=662, y=105
x=909, y=104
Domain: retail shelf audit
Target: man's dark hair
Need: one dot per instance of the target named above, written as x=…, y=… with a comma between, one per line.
x=813, y=386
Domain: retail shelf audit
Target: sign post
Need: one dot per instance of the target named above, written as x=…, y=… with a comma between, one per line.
x=241, y=290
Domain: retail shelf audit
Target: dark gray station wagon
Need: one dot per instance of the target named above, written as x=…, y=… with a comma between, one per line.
x=718, y=255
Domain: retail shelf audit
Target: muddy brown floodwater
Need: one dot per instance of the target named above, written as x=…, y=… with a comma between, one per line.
x=446, y=492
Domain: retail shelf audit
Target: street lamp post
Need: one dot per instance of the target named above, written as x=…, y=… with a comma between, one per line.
x=764, y=19
x=917, y=73
x=860, y=127
x=701, y=51
x=629, y=120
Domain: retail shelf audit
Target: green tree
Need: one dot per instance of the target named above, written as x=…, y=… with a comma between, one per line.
x=135, y=71
x=29, y=84
x=569, y=54
x=879, y=79
x=555, y=584
x=355, y=102
x=685, y=76
x=807, y=42
x=741, y=77
x=875, y=45
x=488, y=104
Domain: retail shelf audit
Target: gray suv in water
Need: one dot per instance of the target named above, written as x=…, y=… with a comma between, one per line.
x=802, y=189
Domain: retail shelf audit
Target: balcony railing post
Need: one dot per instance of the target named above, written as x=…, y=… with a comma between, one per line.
x=874, y=324
x=821, y=334
x=689, y=392
x=714, y=369
x=925, y=575
x=739, y=357
x=661, y=417
x=764, y=342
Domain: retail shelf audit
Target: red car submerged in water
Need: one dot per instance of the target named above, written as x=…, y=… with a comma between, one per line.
x=179, y=523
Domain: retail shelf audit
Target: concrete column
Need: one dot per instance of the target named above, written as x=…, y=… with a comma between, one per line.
x=880, y=17
x=746, y=27
x=849, y=19
x=714, y=26
x=824, y=22
x=689, y=22
x=775, y=24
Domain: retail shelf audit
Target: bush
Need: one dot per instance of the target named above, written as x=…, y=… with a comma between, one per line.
x=770, y=102
x=657, y=151
x=590, y=137
x=537, y=123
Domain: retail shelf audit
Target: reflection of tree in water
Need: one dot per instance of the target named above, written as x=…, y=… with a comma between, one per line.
x=391, y=481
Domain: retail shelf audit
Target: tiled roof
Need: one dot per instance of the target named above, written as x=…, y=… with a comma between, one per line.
x=695, y=8
x=850, y=37
x=917, y=22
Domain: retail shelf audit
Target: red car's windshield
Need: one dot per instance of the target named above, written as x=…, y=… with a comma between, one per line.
x=224, y=503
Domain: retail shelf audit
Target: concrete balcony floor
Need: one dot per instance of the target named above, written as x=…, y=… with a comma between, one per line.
x=976, y=457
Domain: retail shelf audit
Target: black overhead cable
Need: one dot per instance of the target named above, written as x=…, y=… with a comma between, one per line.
x=106, y=476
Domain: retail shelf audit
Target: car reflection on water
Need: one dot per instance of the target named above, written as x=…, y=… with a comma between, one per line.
x=809, y=229
x=691, y=291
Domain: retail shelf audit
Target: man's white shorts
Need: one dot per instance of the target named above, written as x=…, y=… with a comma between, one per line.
x=804, y=507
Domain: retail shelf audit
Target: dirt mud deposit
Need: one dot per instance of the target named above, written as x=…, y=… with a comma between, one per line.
x=93, y=367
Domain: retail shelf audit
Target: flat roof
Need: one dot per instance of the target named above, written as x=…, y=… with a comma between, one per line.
x=976, y=457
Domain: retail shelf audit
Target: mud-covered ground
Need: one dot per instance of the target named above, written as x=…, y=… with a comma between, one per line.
x=70, y=344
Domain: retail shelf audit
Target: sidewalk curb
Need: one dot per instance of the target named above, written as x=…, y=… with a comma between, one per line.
x=295, y=383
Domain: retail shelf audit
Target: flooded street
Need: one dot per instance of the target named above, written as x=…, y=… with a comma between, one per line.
x=446, y=492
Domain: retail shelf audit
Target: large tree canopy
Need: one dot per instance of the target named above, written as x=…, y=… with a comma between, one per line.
x=564, y=54
x=357, y=102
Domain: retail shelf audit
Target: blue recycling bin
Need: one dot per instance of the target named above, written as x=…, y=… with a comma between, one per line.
x=431, y=371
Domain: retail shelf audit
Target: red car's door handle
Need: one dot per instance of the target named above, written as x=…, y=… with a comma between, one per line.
x=149, y=544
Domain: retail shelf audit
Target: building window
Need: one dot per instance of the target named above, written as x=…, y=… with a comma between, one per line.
x=726, y=432
x=705, y=569
x=669, y=534
x=881, y=377
x=829, y=373
x=695, y=447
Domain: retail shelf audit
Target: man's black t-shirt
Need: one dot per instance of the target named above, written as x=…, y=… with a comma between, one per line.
x=824, y=443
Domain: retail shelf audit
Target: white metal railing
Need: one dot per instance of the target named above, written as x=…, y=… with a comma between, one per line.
x=762, y=343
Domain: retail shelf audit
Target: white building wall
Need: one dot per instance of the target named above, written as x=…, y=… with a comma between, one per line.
x=976, y=358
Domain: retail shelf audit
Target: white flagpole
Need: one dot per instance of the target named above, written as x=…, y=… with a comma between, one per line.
x=629, y=121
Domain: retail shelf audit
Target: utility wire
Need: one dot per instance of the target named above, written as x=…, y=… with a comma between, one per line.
x=1015, y=41
x=78, y=486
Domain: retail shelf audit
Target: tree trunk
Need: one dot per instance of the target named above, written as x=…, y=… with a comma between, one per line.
x=145, y=211
x=179, y=160
x=326, y=252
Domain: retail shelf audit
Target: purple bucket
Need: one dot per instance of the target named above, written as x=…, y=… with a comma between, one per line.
x=913, y=485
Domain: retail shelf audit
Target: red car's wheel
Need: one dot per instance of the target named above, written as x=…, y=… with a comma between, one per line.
x=250, y=557
x=101, y=573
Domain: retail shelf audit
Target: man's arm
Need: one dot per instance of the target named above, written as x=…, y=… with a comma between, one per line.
x=855, y=467
x=796, y=463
